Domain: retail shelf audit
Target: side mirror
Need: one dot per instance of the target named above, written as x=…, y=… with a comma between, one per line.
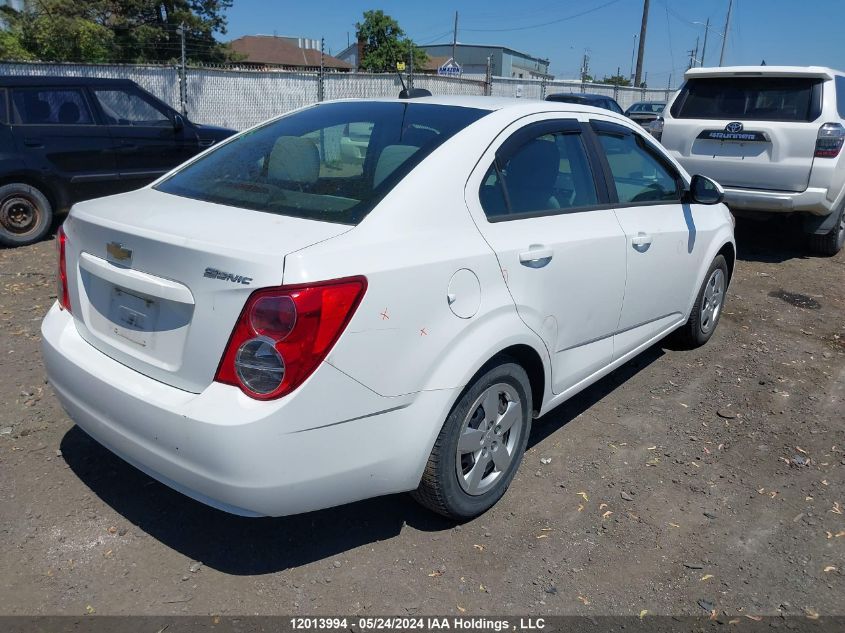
x=703, y=190
x=178, y=123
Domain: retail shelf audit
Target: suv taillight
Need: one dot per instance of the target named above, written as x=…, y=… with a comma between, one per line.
x=62, y=293
x=829, y=141
x=284, y=333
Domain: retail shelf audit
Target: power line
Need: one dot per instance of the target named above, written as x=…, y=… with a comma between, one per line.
x=669, y=34
x=547, y=23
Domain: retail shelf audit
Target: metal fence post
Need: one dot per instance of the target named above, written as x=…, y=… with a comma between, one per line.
x=322, y=66
x=488, y=77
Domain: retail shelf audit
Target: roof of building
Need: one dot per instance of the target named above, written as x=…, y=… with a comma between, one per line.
x=496, y=46
x=435, y=62
x=276, y=51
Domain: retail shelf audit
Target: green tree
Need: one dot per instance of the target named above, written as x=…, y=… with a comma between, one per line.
x=385, y=43
x=118, y=30
x=11, y=48
x=616, y=80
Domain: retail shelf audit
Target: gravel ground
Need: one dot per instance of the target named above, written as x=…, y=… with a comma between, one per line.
x=683, y=482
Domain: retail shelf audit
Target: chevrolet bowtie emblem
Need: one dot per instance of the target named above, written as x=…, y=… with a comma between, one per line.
x=118, y=252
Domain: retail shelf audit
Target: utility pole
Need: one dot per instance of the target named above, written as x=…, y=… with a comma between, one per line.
x=183, y=88
x=615, y=84
x=695, y=61
x=704, y=48
x=585, y=69
x=641, y=52
x=455, y=38
x=725, y=34
x=633, y=51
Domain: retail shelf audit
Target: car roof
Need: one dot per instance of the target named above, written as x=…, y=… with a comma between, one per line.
x=51, y=80
x=508, y=106
x=821, y=72
x=492, y=104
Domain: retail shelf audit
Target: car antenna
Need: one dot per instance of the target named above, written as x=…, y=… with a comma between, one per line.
x=406, y=93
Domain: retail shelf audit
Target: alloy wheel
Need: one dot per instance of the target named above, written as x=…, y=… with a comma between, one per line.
x=711, y=304
x=490, y=434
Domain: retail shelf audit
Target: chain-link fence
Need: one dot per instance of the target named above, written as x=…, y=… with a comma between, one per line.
x=240, y=98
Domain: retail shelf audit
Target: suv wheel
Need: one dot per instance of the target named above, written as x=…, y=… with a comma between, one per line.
x=480, y=445
x=25, y=215
x=830, y=243
x=707, y=308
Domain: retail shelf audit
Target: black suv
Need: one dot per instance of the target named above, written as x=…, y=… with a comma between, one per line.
x=65, y=139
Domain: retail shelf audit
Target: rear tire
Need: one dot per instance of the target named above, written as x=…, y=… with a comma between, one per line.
x=707, y=308
x=831, y=242
x=25, y=215
x=480, y=446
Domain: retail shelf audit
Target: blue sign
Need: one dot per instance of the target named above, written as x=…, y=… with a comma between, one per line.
x=450, y=69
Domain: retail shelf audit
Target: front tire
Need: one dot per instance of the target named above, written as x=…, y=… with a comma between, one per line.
x=831, y=242
x=25, y=215
x=707, y=308
x=480, y=446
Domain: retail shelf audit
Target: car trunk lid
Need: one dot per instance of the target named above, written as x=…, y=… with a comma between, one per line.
x=157, y=281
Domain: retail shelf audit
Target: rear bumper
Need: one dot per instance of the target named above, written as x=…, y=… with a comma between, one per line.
x=333, y=441
x=811, y=200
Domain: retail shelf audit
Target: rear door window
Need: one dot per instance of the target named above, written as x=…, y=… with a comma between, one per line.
x=50, y=106
x=126, y=107
x=330, y=162
x=750, y=99
x=548, y=174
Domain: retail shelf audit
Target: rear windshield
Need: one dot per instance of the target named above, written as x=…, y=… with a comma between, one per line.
x=652, y=108
x=331, y=162
x=750, y=98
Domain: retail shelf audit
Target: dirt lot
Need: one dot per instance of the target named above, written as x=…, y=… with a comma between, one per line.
x=683, y=480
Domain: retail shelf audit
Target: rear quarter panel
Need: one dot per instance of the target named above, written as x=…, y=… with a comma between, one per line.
x=404, y=337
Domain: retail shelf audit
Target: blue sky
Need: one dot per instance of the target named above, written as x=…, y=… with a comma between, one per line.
x=779, y=31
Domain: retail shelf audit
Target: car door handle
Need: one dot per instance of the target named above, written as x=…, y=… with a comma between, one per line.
x=536, y=257
x=641, y=241
x=33, y=142
x=126, y=148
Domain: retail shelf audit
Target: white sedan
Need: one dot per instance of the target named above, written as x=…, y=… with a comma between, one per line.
x=283, y=324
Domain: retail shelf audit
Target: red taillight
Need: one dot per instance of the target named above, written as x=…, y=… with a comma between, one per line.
x=829, y=140
x=284, y=333
x=61, y=286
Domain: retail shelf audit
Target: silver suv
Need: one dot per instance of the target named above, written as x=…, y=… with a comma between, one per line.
x=772, y=137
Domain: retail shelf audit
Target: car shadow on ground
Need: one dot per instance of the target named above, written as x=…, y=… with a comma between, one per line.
x=773, y=240
x=248, y=546
x=558, y=417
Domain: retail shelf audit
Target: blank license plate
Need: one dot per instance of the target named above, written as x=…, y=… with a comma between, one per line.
x=133, y=318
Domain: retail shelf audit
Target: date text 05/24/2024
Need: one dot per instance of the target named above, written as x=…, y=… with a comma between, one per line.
x=421, y=624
